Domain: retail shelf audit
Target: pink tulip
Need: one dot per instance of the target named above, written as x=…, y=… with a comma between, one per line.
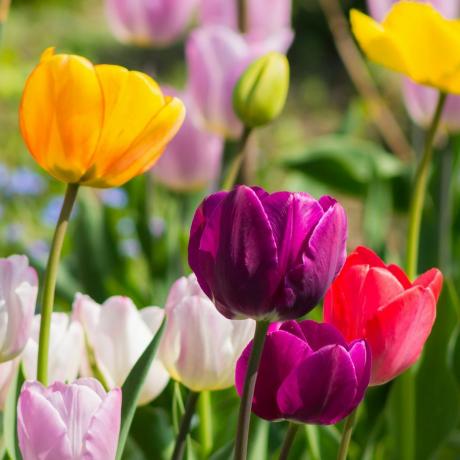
x=267, y=19
x=150, y=22
x=7, y=373
x=68, y=422
x=216, y=58
x=18, y=295
x=193, y=159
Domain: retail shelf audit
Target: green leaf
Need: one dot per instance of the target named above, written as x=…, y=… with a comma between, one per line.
x=224, y=453
x=258, y=446
x=346, y=164
x=10, y=416
x=131, y=389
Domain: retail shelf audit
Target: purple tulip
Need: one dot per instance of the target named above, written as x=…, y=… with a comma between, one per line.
x=148, y=22
x=267, y=19
x=193, y=159
x=68, y=422
x=308, y=373
x=266, y=256
x=216, y=58
x=380, y=8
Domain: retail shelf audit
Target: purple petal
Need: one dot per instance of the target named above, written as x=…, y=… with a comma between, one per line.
x=282, y=352
x=321, y=389
x=319, y=335
x=360, y=354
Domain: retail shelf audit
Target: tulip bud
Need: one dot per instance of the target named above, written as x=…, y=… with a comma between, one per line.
x=68, y=422
x=260, y=94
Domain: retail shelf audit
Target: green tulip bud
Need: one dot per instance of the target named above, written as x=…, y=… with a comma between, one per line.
x=260, y=93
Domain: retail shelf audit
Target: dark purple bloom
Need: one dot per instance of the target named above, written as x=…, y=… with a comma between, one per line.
x=308, y=373
x=266, y=256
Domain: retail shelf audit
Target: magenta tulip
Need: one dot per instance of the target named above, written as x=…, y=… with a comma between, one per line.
x=193, y=159
x=148, y=22
x=308, y=373
x=80, y=421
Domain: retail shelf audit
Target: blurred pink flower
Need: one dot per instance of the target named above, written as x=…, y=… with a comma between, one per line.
x=193, y=159
x=150, y=22
x=18, y=296
x=7, y=372
x=267, y=19
x=80, y=421
x=216, y=58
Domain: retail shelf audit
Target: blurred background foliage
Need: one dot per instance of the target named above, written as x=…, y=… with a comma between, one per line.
x=133, y=240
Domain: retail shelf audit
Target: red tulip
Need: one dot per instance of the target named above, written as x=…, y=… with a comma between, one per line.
x=377, y=302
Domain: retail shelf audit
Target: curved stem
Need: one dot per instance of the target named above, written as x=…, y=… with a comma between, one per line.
x=346, y=435
x=289, y=440
x=242, y=434
x=184, y=428
x=242, y=16
x=419, y=193
x=49, y=283
x=237, y=162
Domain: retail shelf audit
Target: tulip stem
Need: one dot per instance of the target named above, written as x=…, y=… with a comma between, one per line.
x=237, y=162
x=49, y=282
x=244, y=416
x=184, y=427
x=420, y=187
x=289, y=440
x=205, y=427
x=242, y=16
x=346, y=435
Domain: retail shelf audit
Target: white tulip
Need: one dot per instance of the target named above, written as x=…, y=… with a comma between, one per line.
x=118, y=333
x=200, y=347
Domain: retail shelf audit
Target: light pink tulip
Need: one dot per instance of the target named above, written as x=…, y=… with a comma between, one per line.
x=193, y=159
x=150, y=22
x=18, y=296
x=7, y=373
x=80, y=421
x=380, y=8
x=200, y=346
x=267, y=19
x=118, y=333
x=216, y=58
x=66, y=345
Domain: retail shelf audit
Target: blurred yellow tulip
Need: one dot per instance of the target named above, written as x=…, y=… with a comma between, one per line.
x=95, y=125
x=415, y=40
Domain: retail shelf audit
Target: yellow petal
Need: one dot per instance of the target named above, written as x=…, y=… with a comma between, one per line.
x=61, y=115
x=146, y=149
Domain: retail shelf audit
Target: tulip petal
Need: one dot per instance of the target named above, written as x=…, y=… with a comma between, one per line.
x=282, y=352
x=101, y=439
x=319, y=335
x=360, y=354
x=331, y=389
x=432, y=280
x=398, y=332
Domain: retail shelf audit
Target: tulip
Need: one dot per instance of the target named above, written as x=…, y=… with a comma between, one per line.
x=18, y=296
x=260, y=94
x=193, y=159
x=308, y=373
x=216, y=58
x=67, y=342
x=378, y=302
x=200, y=346
x=266, y=19
x=409, y=41
x=95, y=125
x=8, y=371
x=117, y=335
x=79, y=421
x=147, y=22
x=266, y=256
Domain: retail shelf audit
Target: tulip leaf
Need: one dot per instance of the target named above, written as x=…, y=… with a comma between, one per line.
x=10, y=417
x=131, y=389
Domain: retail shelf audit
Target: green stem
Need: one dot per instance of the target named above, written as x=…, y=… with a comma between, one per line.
x=238, y=160
x=242, y=16
x=407, y=408
x=244, y=416
x=289, y=440
x=346, y=435
x=49, y=283
x=418, y=197
x=205, y=427
x=184, y=428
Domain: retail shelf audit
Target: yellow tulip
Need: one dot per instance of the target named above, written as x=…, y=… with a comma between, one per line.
x=96, y=125
x=415, y=40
